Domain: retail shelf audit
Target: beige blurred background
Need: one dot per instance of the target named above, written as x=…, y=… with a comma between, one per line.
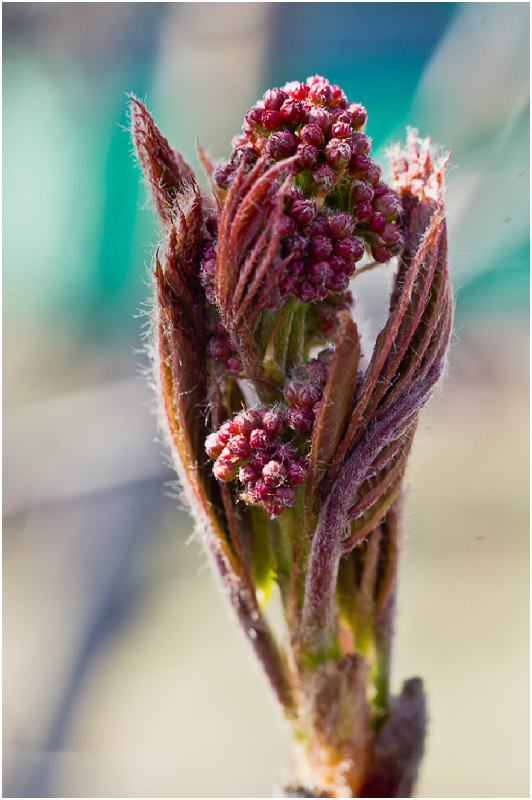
x=122, y=673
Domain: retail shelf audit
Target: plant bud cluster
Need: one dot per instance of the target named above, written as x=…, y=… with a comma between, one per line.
x=315, y=122
x=323, y=248
x=251, y=447
x=303, y=393
x=312, y=121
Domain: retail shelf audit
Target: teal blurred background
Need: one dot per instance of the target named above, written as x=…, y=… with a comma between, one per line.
x=122, y=675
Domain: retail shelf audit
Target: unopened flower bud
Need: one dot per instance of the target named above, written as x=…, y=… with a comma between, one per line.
x=338, y=95
x=233, y=365
x=290, y=394
x=282, y=144
x=217, y=349
x=380, y=253
x=288, y=284
x=247, y=421
x=300, y=418
x=274, y=99
x=359, y=115
x=388, y=205
x=350, y=249
x=341, y=130
x=339, y=282
x=321, y=247
x=307, y=155
x=321, y=94
x=325, y=177
x=254, y=118
x=285, y=452
x=312, y=134
x=321, y=117
x=239, y=446
x=377, y=223
x=360, y=143
x=274, y=473
x=213, y=445
x=341, y=115
x=227, y=430
x=338, y=153
x=391, y=234
x=273, y=422
x=296, y=473
x=260, y=439
x=262, y=491
x=259, y=459
x=287, y=226
x=373, y=173
x=292, y=111
x=227, y=466
x=361, y=191
x=360, y=164
x=306, y=292
x=273, y=507
x=340, y=225
x=297, y=90
x=285, y=495
x=247, y=475
x=309, y=394
x=303, y=212
x=363, y=210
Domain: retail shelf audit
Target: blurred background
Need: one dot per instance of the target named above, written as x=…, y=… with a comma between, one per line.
x=122, y=674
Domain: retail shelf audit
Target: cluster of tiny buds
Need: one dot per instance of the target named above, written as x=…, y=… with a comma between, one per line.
x=312, y=121
x=303, y=393
x=250, y=446
x=315, y=122
x=322, y=246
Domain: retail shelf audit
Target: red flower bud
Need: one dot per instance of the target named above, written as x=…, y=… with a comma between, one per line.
x=321, y=247
x=340, y=225
x=341, y=130
x=325, y=177
x=281, y=145
x=359, y=115
x=320, y=273
x=363, y=210
x=247, y=475
x=273, y=422
x=300, y=418
x=303, y=212
x=307, y=155
x=272, y=120
x=320, y=117
x=377, y=223
x=292, y=111
x=312, y=134
x=260, y=439
x=350, y=249
x=239, y=446
x=274, y=473
x=274, y=99
x=285, y=495
x=338, y=153
x=296, y=474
